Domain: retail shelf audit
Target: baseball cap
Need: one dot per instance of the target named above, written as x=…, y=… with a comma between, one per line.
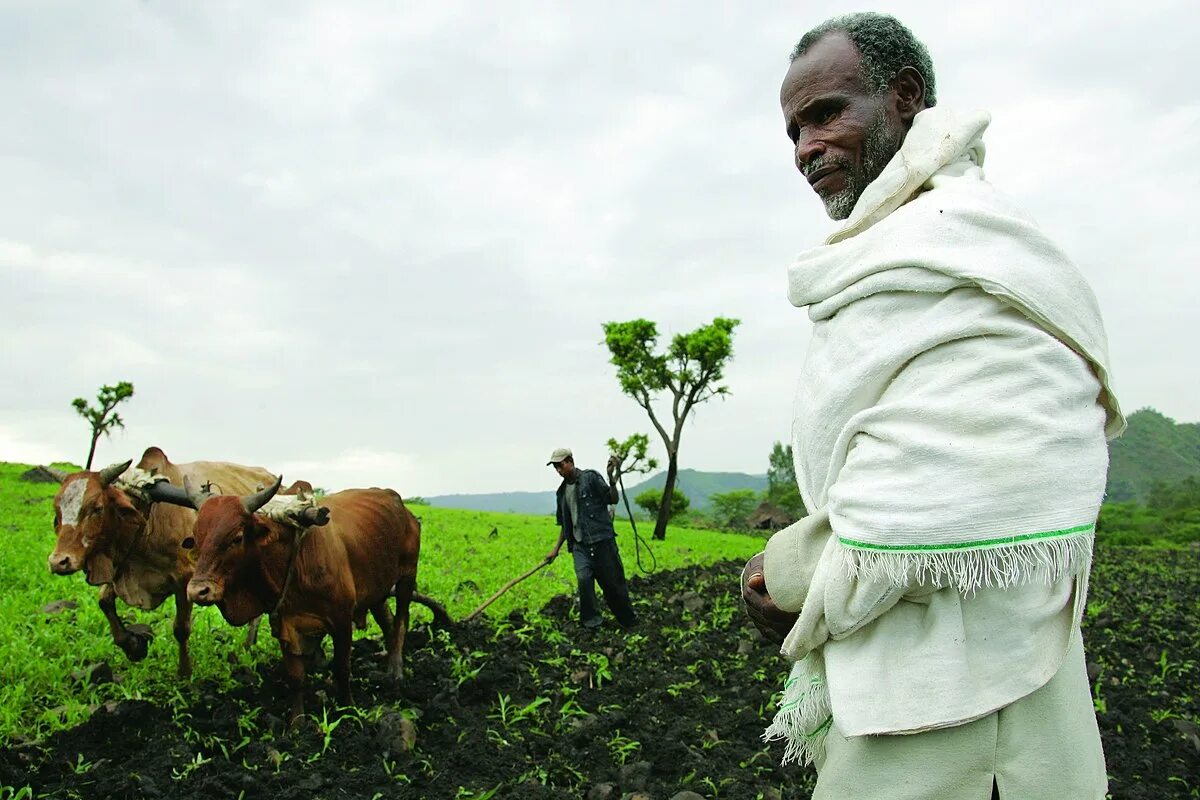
x=560, y=454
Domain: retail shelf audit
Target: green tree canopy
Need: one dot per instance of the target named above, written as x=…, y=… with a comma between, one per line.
x=651, y=500
x=733, y=509
x=631, y=454
x=687, y=374
x=782, y=489
x=104, y=418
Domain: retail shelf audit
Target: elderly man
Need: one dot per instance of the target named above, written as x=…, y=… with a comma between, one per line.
x=581, y=510
x=950, y=439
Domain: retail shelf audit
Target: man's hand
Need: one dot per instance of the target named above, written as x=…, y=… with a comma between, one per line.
x=771, y=621
x=614, y=465
x=553, y=554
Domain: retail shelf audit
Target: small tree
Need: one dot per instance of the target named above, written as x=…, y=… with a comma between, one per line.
x=733, y=509
x=104, y=418
x=782, y=488
x=652, y=501
x=631, y=454
x=631, y=459
x=691, y=370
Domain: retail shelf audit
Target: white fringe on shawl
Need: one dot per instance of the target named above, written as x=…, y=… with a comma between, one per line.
x=804, y=716
x=1042, y=561
x=805, y=712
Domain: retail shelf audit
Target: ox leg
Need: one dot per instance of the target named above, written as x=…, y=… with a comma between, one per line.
x=383, y=618
x=293, y=669
x=395, y=657
x=343, y=635
x=183, y=630
x=134, y=645
x=291, y=646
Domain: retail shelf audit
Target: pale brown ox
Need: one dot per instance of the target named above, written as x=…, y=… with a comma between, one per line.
x=317, y=580
x=131, y=548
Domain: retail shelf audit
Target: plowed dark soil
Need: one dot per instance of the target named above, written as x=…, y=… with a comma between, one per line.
x=531, y=707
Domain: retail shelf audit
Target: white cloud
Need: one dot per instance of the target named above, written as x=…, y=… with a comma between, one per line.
x=376, y=245
x=15, y=445
x=355, y=467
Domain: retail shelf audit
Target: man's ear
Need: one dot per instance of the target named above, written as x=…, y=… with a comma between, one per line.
x=908, y=87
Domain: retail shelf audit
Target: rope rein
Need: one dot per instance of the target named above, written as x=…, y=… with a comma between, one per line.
x=638, y=541
x=297, y=541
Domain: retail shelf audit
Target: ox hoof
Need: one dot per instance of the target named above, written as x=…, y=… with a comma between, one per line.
x=137, y=643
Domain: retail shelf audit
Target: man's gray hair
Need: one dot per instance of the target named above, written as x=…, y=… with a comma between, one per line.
x=884, y=45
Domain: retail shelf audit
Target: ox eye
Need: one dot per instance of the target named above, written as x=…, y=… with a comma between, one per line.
x=237, y=539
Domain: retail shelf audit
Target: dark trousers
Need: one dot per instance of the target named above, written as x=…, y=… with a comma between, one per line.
x=600, y=562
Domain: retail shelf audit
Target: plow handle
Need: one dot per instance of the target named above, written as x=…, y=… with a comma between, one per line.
x=503, y=589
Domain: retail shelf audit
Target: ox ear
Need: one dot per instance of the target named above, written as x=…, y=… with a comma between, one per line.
x=127, y=514
x=129, y=520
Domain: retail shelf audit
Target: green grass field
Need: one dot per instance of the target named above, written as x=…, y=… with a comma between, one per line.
x=462, y=564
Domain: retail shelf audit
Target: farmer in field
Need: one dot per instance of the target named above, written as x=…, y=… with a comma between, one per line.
x=949, y=435
x=586, y=526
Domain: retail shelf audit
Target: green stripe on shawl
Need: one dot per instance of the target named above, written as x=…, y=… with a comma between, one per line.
x=1002, y=540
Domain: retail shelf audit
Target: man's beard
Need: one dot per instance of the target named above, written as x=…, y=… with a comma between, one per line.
x=880, y=143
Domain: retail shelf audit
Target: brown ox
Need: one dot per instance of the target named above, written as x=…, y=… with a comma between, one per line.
x=130, y=547
x=316, y=580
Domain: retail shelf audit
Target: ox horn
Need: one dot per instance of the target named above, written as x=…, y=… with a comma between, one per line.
x=163, y=492
x=196, y=497
x=112, y=472
x=57, y=474
x=318, y=516
x=254, y=502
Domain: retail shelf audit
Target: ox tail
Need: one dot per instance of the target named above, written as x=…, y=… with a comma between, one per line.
x=441, y=618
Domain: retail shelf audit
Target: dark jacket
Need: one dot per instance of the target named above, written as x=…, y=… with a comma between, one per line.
x=593, y=497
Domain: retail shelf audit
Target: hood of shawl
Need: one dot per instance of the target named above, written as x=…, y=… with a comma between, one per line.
x=940, y=139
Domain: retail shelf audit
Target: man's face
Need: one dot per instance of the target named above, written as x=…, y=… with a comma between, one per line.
x=844, y=134
x=565, y=468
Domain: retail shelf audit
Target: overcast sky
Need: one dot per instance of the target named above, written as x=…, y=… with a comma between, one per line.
x=373, y=244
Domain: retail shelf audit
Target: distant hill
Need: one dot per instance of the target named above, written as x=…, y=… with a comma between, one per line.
x=1154, y=448
x=697, y=485
x=516, y=502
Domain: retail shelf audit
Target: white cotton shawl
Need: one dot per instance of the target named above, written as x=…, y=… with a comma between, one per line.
x=951, y=416
x=957, y=490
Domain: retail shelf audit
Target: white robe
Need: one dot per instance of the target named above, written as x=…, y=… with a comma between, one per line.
x=950, y=440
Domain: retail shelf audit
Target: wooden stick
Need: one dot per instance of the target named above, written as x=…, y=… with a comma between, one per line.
x=504, y=589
